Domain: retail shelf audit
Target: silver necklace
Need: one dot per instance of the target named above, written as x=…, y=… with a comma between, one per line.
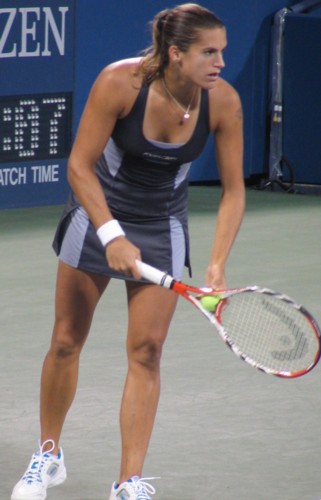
x=186, y=111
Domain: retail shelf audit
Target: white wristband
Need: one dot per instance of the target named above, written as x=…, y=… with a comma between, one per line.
x=109, y=231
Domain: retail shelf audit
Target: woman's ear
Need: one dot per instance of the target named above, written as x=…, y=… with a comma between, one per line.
x=174, y=54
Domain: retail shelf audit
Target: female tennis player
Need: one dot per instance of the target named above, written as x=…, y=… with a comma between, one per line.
x=145, y=121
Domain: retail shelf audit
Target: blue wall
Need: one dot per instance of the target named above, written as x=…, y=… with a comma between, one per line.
x=101, y=31
x=302, y=96
x=115, y=29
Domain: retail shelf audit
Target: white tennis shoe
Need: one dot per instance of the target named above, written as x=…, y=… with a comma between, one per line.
x=44, y=471
x=135, y=488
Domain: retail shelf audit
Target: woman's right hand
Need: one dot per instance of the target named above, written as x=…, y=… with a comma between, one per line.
x=121, y=256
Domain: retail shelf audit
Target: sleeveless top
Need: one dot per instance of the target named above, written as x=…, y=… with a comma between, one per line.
x=148, y=179
x=144, y=180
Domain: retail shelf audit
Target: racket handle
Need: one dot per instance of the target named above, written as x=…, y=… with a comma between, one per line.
x=154, y=275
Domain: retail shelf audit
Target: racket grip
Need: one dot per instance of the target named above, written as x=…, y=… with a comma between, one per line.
x=154, y=275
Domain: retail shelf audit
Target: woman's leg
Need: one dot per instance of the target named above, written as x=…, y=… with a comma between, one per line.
x=150, y=311
x=77, y=294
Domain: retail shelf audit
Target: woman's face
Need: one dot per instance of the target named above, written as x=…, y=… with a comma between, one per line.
x=203, y=61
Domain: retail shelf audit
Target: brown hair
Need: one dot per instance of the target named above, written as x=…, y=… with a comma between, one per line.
x=179, y=26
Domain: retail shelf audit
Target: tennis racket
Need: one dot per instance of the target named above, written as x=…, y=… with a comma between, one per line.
x=266, y=329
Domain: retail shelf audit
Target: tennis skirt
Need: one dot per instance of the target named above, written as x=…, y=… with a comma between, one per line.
x=163, y=244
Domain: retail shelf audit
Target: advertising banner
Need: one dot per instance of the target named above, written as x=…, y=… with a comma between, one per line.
x=36, y=101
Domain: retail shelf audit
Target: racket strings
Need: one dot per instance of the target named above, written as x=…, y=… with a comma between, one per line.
x=270, y=331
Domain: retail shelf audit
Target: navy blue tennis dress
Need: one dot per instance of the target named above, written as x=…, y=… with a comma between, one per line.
x=146, y=186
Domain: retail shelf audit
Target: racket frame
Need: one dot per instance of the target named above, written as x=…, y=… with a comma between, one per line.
x=194, y=295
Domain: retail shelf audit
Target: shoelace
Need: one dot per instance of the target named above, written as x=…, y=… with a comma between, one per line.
x=144, y=489
x=33, y=474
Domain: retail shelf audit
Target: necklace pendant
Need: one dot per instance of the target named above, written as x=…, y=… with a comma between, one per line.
x=186, y=116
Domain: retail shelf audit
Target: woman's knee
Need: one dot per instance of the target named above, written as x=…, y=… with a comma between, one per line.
x=66, y=340
x=146, y=354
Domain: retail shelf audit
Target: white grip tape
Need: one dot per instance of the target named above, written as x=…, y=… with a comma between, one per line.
x=109, y=231
x=154, y=275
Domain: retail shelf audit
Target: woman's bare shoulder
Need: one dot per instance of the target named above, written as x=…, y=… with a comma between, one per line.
x=124, y=73
x=117, y=86
x=225, y=102
x=224, y=93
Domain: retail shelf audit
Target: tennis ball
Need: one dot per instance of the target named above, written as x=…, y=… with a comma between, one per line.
x=209, y=302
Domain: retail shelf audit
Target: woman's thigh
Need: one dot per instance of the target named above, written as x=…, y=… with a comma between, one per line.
x=150, y=311
x=77, y=294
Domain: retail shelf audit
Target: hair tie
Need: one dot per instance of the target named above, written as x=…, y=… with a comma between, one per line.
x=161, y=21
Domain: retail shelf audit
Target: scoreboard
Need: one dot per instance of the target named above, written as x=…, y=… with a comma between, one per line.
x=35, y=126
x=36, y=101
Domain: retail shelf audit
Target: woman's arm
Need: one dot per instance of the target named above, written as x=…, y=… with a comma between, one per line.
x=100, y=114
x=229, y=152
x=111, y=96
